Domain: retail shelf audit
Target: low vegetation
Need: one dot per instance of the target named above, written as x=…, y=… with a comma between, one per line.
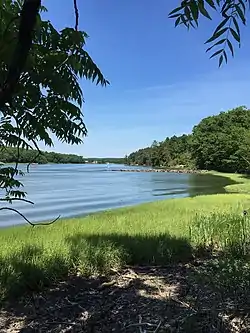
x=150, y=234
x=242, y=183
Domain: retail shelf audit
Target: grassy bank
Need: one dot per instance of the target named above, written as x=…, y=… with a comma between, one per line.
x=242, y=183
x=157, y=233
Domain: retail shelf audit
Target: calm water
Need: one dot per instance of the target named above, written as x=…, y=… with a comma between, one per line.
x=71, y=190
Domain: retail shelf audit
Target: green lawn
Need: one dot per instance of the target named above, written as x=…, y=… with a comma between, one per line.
x=156, y=233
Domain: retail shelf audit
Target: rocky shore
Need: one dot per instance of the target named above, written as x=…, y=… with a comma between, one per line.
x=161, y=170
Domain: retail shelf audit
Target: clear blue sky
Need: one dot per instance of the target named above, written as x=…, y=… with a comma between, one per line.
x=162, y=81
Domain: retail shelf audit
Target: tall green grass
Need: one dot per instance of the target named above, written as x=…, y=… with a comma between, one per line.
x=151, y=234
x=227, y=233
x=242, y=184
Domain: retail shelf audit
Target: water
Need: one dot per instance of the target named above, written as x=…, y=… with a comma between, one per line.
x=72, y=190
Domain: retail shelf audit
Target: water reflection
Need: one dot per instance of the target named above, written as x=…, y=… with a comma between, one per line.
x=200, y=184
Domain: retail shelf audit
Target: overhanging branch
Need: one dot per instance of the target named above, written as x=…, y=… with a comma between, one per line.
x=25, y=218
x=76, y=15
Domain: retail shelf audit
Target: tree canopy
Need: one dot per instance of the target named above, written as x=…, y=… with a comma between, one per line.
x=218, y=142
x=40, y=94
x=167, y=153
x=227, y=32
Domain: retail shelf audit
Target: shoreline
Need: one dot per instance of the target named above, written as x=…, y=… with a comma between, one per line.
x=237, y=187
x=154, y=233
x=186, y=171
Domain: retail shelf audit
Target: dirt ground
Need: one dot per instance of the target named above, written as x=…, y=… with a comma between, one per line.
x=137, y=299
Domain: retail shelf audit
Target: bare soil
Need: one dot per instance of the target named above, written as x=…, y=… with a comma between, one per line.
x=176, y=298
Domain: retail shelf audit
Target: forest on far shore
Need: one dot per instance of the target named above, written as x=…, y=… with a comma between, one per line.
x=11, y=155
x=220, y=142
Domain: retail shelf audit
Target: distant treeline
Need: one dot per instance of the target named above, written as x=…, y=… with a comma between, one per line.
x=220, y=142
x=10, y=155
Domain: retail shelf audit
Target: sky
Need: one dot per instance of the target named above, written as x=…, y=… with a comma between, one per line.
x=162, y=81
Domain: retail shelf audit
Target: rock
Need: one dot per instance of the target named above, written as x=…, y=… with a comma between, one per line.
x=160, y=170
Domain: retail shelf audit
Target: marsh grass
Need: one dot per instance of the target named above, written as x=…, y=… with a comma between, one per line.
x=157, y=233
x=242, y=182
x=227, y=233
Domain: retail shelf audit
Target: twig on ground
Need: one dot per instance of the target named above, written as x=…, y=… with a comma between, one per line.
x=158, y=327
x=106, y=284
x=73, y=304
x=140, y=325
x=186, y=305
x=140, y=321
x=60, y=323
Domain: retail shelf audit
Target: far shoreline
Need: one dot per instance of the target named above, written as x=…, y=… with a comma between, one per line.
x=162, y=170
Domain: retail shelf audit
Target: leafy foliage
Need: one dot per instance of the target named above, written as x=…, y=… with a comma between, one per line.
x=170, y=152
x=233, y=16
x=47, y=98
x=218, y=142
x=222, y=142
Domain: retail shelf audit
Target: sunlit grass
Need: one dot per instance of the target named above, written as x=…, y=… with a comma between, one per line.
x=242, y=182
x=155, y=233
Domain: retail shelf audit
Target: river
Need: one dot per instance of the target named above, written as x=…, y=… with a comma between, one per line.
x=74, y=190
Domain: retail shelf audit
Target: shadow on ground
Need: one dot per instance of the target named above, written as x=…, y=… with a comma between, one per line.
x=208, y=295
x=159, y=249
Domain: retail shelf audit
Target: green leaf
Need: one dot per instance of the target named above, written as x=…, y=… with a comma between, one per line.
x=203, y=10
x=236, y=25
x=216, y=53
x=195, y=11
x=230, y=47
x=225, y=55
x=218, y=43
x=174, y=11
x=221, y=25
x=235, y=35
x=183, y=20
x=211, y=3
x=220, y=60
x=187, y=12
x=243, y=6
x=216, y=35
x=241, y=15
x=226, y=6
x=177, y=22
x=176, y=15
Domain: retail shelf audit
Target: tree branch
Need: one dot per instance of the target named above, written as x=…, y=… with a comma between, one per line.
x=17, y=199
x=76, y=14
x=36, y=156
x=28, y=221
x=28, y=17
